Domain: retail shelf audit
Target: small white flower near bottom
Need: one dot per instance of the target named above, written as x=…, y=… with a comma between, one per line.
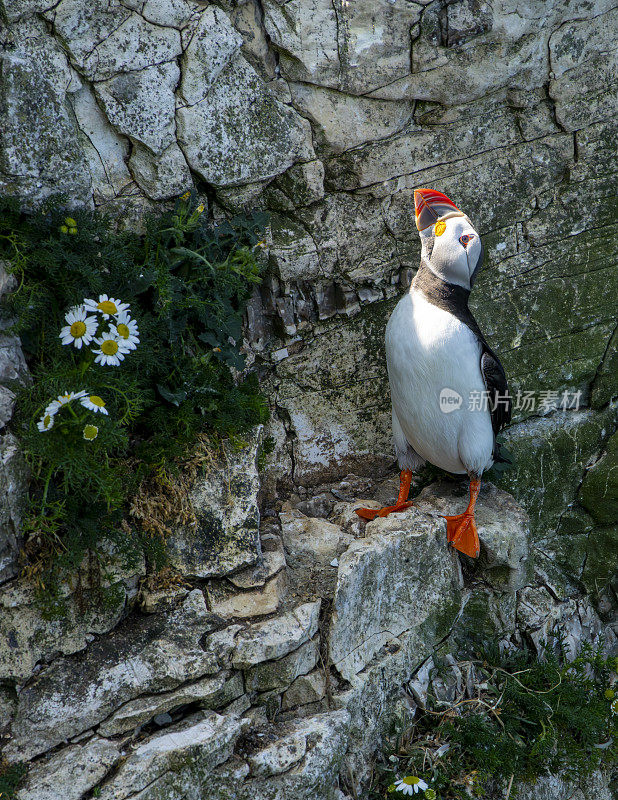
x=410, y=785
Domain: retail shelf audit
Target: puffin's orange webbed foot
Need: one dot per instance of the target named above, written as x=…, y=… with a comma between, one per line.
x=461, y=529
x=405, y=479
x=462, y=534
x=372, y=513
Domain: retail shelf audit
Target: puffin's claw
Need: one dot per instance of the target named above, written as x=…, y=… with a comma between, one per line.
x=372, y=513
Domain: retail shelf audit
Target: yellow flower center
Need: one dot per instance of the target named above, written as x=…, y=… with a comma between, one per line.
x=411, y=780
x=78, y=329
x=47, y=420
x=109, y=347
x=97, y=401
x=123, y=330
x=90, y=432
x=107, y=307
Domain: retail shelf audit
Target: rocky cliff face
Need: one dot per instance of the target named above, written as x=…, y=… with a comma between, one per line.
x=260, y=675
x=280, y=678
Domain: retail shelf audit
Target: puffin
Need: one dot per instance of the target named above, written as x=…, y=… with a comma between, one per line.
x=449, y=391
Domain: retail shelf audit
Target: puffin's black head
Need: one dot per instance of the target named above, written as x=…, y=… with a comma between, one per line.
x=451, y=247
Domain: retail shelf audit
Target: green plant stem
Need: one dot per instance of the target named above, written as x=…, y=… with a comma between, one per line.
x=46, y=488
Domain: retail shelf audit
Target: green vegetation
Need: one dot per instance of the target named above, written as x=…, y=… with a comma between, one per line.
x=176, y=294
x=11, y=776
x=525, y=718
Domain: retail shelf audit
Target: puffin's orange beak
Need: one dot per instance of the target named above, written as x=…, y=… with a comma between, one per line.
x=429, y=205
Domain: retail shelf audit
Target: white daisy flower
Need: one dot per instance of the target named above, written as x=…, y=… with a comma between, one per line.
x=80, y=328
x=110, y=352
x=94, y=403
x=127, y=330
x=65, y=398
x=410, y=785
x=46, y=422
x=90, y=432
x=107, y=306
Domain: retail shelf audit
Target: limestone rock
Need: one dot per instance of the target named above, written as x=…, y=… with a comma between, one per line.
x=281, y=673
x=168, y=765
x=14, y=480
x=170, y=13
x=403, y=560
x=35, y=160
x=502, y=525
x=226, y=538
x=554, y=787
x=279, y=756
x=210, y=693
x=261, y=601
x=311, y=546
x=211, y=48
x=314, y=776
x=277, y=637
x=273, y=561
x=27, y=636
x=342, y=122
x=73, y=694
x=540, y=616
x=305, y=689
x=239, y=133
x=71, y=772
x=141, y=105
x=105, y=40
x=162, y=176
x=104, y=149
x=599, y=490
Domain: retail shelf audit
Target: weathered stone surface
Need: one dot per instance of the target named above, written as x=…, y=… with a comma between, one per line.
x=162, y=176
x=502, y=525
x=14, y=480
x=306, y=689
x=342, y=122
x=35, y=126
x=211, y=48
x=105, y=40
x=553, y=787
x=276, y=637
x=281, y=673
x=542, y=617
x=168, y=765
x=403, y=560
x=239, y=132
x=211, y=693
x=314, y=776
x=226, y=538
x=171, y=13
x=142, y=105
x=599, y=490
x=27, y=635
x=273, y=561
x=256, y=603
x=279, y=756
x=104, y=149
x=312, y=547
x=143, y=656
x=551, y=454
x=71, y=772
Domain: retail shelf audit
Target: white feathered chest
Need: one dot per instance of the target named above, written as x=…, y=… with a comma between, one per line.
x=430, y=353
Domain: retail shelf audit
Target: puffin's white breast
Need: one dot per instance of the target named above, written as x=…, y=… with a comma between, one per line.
x=428, y=351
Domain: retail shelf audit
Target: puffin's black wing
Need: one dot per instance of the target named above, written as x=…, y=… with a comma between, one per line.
x=497, y=388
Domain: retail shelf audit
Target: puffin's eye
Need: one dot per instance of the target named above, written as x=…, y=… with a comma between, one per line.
x=466, y=238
